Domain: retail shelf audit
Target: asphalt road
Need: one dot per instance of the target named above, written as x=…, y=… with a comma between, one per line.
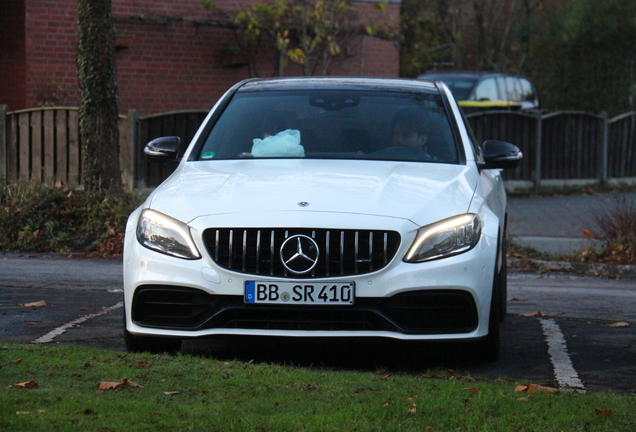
x=558, y=330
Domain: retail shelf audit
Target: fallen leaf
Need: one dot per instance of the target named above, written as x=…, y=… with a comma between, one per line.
x=171, y=393
x=588, y=234
x=412, y=410
x=530, y=315
x=106, y=385
x=28, y=384
x=99, y=392
x=143, y=364
x=534, y=388
x=83, y=309
x=620, y=324
x=522, y=287
x=472, y=390
x=515, y=299
x=386, y=405
x=603, y=413
x=34, y=304
x=430, y=428
x=22, y=412
x=525, y=399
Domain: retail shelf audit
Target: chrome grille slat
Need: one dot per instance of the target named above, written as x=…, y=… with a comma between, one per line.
x=343, y=252
x=385, y=249
x=355, y=264
x=230, y=247
x=271, y=254
x=258, y=252
x=216, y=246
x=342, y=239
x=244, y=250
x=371, y=251
x=327, y=242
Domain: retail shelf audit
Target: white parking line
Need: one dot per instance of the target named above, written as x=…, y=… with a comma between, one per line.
x=564, y=372
x=58, y=331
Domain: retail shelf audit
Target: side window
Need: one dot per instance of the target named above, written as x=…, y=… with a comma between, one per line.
x=514, y=89
x=527, y=91
x=501, y=85
x=486, y=90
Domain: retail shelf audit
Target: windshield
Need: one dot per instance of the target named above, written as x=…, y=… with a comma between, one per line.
x=460, y=86
x=318, y=124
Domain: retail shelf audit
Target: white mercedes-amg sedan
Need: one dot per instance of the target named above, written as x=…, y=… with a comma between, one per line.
x=323, y=207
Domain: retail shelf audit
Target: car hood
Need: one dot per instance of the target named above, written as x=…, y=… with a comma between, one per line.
x=420, y=192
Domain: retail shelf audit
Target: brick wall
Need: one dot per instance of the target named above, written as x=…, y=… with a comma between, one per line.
x=167, y=57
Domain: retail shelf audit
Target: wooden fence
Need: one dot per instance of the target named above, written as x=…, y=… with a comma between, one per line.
x=43, y=145
x=565, y=145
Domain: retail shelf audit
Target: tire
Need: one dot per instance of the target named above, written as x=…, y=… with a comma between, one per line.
x=149, y=344
x=502, y=279
x=488, y=349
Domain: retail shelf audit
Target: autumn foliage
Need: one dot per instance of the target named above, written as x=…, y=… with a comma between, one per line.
x=37, y=218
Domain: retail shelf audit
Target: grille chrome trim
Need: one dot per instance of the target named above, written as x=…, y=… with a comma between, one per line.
x=343, y=252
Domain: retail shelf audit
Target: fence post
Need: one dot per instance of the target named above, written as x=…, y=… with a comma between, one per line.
x=604, y=156
x=537, y=162
x=127, y=143
x=3, y=141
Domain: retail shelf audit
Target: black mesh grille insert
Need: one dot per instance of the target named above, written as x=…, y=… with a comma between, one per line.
x=419, y=312
x=341, y=252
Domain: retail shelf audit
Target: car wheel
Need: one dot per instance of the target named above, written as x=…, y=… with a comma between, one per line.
x=502, y=278
x=489, y=347
x=149, y=344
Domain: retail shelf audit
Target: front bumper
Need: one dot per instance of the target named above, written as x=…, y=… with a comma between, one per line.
x=445, y=299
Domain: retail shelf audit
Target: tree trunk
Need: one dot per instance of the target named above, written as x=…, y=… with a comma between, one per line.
x=99, y=105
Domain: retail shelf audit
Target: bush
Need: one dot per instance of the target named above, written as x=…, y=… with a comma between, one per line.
x=37, y=218
x=617, y=230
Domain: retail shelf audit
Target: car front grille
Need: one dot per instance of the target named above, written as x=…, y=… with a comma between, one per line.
x=418, y=312
x=342, y=252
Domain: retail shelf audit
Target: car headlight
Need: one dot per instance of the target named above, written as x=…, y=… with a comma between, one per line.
x=442, y=239
x=163, y=234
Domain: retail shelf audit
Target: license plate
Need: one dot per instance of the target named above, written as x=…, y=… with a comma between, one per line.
x=298, y=293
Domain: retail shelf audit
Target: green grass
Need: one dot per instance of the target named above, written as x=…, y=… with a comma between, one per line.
x=218, y=395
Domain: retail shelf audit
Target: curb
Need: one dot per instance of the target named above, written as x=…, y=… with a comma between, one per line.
x=593, y=269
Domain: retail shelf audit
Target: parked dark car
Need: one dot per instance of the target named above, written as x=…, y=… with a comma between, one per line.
x=478, y=91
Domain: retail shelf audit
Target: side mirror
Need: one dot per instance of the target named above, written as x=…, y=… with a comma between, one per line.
x=163, y=150
x=501, y=155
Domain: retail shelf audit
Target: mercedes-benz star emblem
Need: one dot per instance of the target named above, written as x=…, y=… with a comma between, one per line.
x=299, y=254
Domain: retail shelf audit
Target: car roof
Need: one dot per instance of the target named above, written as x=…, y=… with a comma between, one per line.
x=323, y=83
x=458, y=74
